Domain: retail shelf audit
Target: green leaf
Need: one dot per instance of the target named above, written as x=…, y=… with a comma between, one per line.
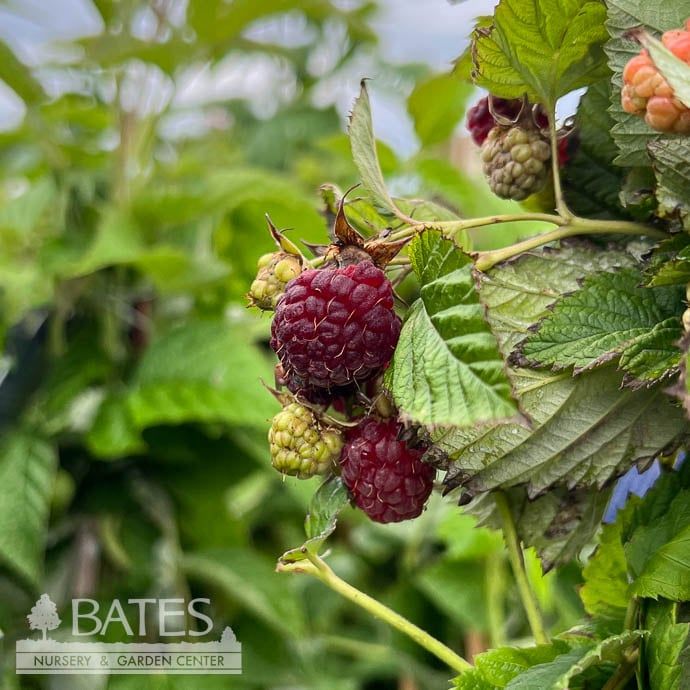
x=447, y=370
x=669, y=263
x=605, y=592
x=499, y=666
x=667, y=647
x=585, y=429
x=249, y=579
x=544, y=48
x=464, y=540
x=654, y=356
x=364, y=153
x=458, y=589
x=117, y=240
x=437, y=105
x=330, y=498
x=113, y=433
x=631, y=133
x=676, y=72
x=203, y=371
x=559, y=673
x=670, y=156
x=27, y=470
x=472, y=680
x=657, y=540
x=593, y=325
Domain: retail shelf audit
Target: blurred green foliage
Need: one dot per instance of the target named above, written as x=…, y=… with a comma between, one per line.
x=133, y=459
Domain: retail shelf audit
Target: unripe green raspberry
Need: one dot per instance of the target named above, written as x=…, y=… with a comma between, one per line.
x=276, y=270
x=300, y=445
x=515, y=161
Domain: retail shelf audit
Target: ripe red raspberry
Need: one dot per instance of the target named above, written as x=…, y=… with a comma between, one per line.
x=646, y=92
x=480, y=122
x=384, y=475
x=335, y=326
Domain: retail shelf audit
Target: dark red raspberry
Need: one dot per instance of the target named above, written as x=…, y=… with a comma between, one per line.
x=480, y=122
x=384, y=475
x=335, y=326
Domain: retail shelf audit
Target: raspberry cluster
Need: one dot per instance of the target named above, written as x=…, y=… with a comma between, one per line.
x=480, y=121
x=646, y=92
x=334, y=331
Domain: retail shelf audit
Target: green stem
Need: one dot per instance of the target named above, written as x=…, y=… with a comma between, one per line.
x=517, y=561
x=623, y=674
x=318, y=568
x=450, y=227
x=576, y=226
x=629, y=623
x=495, y=597
x=562, y=208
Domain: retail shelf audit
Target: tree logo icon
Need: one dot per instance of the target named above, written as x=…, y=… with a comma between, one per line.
x=44, y=615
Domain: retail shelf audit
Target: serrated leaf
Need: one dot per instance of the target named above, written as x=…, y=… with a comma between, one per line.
x=203, y=371
x=631, y=133
x=585, y=430
x=543, y=49
x=472, y=680
x=499, y=666
x=668, y=642
x=670, y=156
x=27, y=469
x=594, y=325
x=605, y=592
x=654, y=356
x=437, y=105
x=657, y=540
x=364, y=153
x=328, y=500
x=559, y=673
x=447, y=370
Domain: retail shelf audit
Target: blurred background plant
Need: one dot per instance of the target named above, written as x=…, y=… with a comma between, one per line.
x=134, y=181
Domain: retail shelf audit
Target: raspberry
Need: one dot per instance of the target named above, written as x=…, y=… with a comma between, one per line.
x=300, y=445
x=646, y=92
x=515, y=161
x=386, y=477
x=480, y=122
x=276, y=270
x=335, y=326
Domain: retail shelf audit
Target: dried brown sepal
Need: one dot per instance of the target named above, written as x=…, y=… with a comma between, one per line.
x=351, y=247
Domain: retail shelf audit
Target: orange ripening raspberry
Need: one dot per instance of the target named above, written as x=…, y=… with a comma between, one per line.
x=678, y=42
x=646, y=92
